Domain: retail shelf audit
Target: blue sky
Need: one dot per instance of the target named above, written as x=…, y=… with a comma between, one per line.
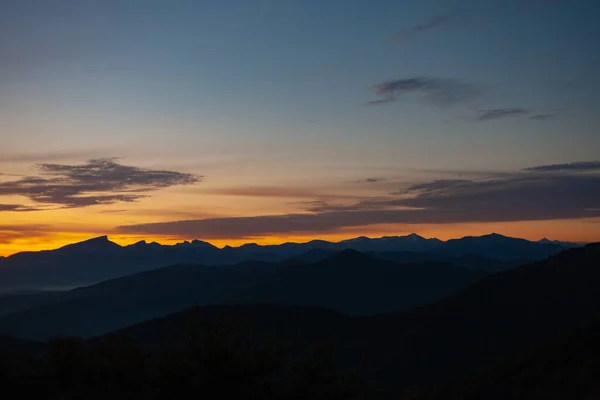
x=277, y=92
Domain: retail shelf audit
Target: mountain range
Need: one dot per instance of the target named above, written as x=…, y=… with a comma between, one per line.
x=524, y=332
x=99, y=259
x=348, y=282
x=500, y=316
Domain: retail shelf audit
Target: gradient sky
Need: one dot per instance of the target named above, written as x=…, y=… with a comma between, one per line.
x=275, y=120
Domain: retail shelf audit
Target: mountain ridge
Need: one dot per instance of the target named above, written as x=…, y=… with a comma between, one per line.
x=98, y=259
x=384, y=286
x=410, y=236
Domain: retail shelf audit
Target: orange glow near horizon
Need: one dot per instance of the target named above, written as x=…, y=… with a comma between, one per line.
x=567, y=230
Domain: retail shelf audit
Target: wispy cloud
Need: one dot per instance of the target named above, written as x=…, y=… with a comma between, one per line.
x=278, y=192
x=266, y=191
x=542, y=117
x=369, y=180
x=434, y=91
x=498, y=113
x=16, y=208
x=99, y=181
x=10, y=233
x=435, y=21
x=574, y=166
x=527, y=195
x=112, y=211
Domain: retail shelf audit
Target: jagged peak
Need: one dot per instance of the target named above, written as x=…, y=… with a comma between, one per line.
x=250, y=245
x=356, y=239
x=195, y=243
x=494, y=234
x=100, y=243
x=141, y=243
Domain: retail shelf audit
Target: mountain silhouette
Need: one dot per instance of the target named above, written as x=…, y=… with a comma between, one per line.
x=497, y=316
x=358, y=284
x=98, y=244
x=500, y=247
x=348, y=282
x=99, y=259
x=500, y=316
x=564, y=367
x=470, y=261
x=526, y=332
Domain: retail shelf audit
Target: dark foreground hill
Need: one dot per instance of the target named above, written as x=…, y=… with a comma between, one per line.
x=564, y=368
x=349, y=282
x=500, y=315
x=13, y=347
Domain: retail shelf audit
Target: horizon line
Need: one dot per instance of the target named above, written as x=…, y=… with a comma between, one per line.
x=183, y=241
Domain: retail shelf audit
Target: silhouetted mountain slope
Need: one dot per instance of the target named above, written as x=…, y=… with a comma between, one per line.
x=412, y=242
x=470, y=261
x=564, y=368
x=100, y=259
x=20, y=302
x=98, y=244
x=495, y=317
x=349, y=282
x=262, y=324
x=499, y=316
x=496, y=325
x=119, y=302
x=499, y=247
x=354, y=283
x=566, y=245
x=13, y=347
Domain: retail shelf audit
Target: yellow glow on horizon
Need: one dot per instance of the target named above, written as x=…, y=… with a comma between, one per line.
x=569, y=230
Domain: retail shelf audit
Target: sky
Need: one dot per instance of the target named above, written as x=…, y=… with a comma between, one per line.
x=268, y=121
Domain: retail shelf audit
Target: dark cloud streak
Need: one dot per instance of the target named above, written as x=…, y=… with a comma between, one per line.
x=532, y=194
x=498, y=113
x=99, y=181
x=574, y=166
x=542, y=117
x=435, y=21
x=16, y=208
x=434, y=91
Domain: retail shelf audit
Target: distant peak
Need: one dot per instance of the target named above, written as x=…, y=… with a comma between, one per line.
x=97, y=243
x=356, y=239
x=318, y=241
x=141, y=243
x=195, y=243
x=495, y=236
x=103, y=238
x=96, y=240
